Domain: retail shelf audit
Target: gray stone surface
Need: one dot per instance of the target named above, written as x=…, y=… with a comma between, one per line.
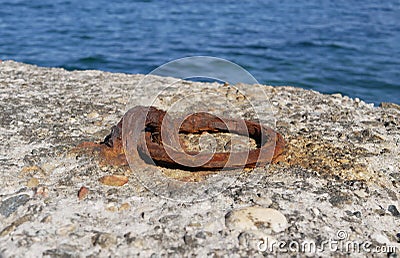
x=10, y=205
x=339, y=178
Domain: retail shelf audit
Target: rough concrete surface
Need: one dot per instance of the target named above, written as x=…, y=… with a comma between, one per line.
x=338, y=181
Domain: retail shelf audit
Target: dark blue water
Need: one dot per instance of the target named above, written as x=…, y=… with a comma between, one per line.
x=352, y=47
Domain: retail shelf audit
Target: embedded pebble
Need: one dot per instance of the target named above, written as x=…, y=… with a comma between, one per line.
x=83, y=192
x=33, y=182
x=124, y=207
x=63, y=231
x=360, y=193
x=315, y=211
x=111, y=207
x=114, y=180
x=104, y=239
x=11, y=204
x=42, y=191
x=47, y=219
x=93, y=115
x=393, y=210
x=256, y=218
x=262, y=201
x=380, y=238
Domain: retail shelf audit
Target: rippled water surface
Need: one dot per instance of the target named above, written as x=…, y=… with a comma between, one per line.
x=352, y=47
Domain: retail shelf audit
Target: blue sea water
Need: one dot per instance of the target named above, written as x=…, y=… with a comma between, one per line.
x=351, y=47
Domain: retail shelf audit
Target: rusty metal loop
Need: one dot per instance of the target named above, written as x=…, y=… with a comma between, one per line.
x=145, y=129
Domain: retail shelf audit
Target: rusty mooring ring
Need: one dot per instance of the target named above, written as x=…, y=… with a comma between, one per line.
x=144, y=126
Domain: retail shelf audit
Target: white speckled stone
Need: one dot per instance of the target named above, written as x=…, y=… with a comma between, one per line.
x=256, y=218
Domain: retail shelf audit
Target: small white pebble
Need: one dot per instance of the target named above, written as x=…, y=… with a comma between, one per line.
x=93, y=115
